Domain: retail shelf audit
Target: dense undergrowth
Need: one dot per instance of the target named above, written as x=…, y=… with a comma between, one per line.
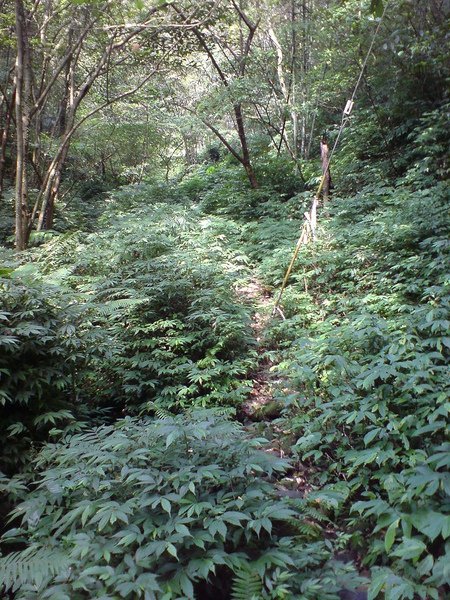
x=157, y=508
x=142, y=312
x=366, y=345
x=118, y=345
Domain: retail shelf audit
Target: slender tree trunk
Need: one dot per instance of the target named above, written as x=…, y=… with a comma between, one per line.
x=304, y=71
x=52, y=185
x=324, y=153
x=190, y=148
x=69, y=106
x=49, y=211
x=294, y=117
x=294, y=112
x=311, y=133
x=22, y=124
x=244, y=146
x=245, y=48
x=66, y=98
x=251, y=176
x=4, y=139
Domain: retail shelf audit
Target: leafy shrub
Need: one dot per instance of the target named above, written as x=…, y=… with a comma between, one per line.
x=428, y=148
x=278, y=173
x=43, y=345
x=369, y=361
x=159, y=281
x=375, y=409
x=7, y=217
x=182, y=507
x=223, y=189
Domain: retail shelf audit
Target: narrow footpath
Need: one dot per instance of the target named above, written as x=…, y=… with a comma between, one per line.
x=263, y=406
x=261, y=396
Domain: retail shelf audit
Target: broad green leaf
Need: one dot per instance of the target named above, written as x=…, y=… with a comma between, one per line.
x=410, y=549
x=430, y=523
x=390, y=535
x=172, y=550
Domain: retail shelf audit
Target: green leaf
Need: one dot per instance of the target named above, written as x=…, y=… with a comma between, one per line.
x=410, y=549
x=371, y=435
x=430, y=523
x=390, y=535
x=182, y=529
x=172, y=550
x=425, y=566
x=6, y=272
x=234, y=517
x=218, y=527
x=376, y=7
x=165, y=505
x=173, y=435
x=86, y=514
x=186, y=586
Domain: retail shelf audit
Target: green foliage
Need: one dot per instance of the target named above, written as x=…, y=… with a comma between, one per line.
x=247, y=585
x=376, y=6
x=43, y=345
x=369, y=362
x=159, y=283
x=278, y=174
x=137, y=310
x=429, y=148
x=6, y=217
x=32, y=565
x=159, y=509
x=223, y=189
x=376, y=147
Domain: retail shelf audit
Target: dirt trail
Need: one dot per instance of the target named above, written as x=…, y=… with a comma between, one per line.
x=261, y=398
x=264, y=381
x=264, y=403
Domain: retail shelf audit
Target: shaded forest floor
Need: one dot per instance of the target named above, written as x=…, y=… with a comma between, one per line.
x=163, y=315
x=262, y=410
x=261, y=394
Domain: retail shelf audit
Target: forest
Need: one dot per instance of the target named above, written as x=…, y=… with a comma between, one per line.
x=224, y=300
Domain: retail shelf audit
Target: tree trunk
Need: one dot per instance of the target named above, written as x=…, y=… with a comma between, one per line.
x=22, y=108
x=304, y=71
x=251, y=176
x=4, y=139
x=245, y=47
x=52, y=185
x=52, y=180
x=190, y=142
x=66, y=99
x=244, y=146
x=326, y=174
x=294, y=111
x=49, y=211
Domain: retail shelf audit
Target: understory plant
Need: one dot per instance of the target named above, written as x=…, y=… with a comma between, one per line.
x=368, y=359
x=182, y=507
x=160, y=281
x=45, y=342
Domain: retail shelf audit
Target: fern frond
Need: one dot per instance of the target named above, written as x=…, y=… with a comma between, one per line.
x=160, y=413
x=247, y=586
x=31, y=566
x=307, y=529
x=112, y=306
x=316, y=514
